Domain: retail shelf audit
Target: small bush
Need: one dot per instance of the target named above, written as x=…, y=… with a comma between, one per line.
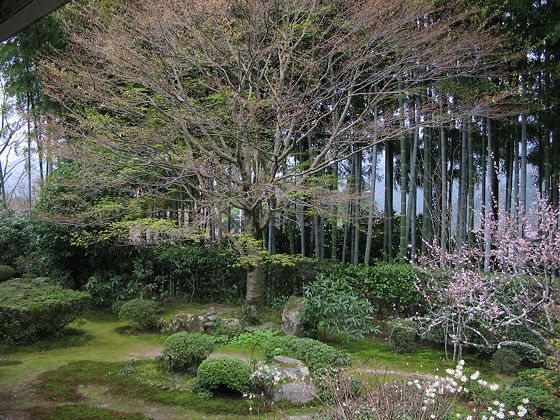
x=538, y=378
x=331, y=303
x=31, y=309
x=541, y=403
x=6, y=272
x=140, y=311
x=224, y=372
x=403, y=340
x=182, y=350
x=506, y=361
x=250, y=314
x=315, y=354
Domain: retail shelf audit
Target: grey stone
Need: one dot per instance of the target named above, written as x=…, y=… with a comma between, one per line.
x=291, y=316
x=298, y=388
x=295, y=392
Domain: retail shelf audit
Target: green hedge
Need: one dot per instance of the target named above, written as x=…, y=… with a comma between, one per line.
x=6, y=272
x=30, y=309
x=390, y=287
x=315, y=354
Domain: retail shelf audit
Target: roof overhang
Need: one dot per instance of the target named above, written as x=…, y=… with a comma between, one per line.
x=15, y=15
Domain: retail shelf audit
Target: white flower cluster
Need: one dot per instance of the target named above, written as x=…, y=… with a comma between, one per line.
x=269, y=375
x=456, y=383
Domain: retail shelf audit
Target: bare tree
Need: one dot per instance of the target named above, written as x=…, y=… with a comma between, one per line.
x=216, y=100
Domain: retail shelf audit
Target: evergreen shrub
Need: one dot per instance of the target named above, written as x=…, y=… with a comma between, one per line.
x=6, y=272
x=506, y=361
x=313, y=353
x=224, y=373
x=140, y=311
x=30, y=309
x=183, y=350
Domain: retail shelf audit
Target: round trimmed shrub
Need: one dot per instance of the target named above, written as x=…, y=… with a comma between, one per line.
x=6, y=272
x=537, y=378
x=506, y=361
x=224, y=372
x=182, y=350
x=140, y=311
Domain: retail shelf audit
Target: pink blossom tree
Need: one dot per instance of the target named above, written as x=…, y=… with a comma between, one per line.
x=477, y=308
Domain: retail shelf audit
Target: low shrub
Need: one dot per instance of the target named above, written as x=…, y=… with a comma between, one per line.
x=140, y=311
x=6, y=272
x=403, y=340
x=315, y=354
x=538, y=378
x=541, y=403
x=250, y=314
x=182, y=350
x=224, y=373
x=506, y=361
x=31, y=309
x=332, y=304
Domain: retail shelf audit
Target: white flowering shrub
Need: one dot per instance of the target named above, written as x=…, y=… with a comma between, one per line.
x=427, y=397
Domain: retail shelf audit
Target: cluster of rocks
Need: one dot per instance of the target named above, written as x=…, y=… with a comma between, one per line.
x=198, y=323
x=298, y=386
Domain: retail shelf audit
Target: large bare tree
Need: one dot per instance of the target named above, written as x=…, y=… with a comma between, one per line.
x=240, y=103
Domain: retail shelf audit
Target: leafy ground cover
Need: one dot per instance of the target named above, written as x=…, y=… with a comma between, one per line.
x=92, y=371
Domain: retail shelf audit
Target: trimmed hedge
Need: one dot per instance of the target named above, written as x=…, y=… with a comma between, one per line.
x=315, y=354
x=31, y=309
x=6, y=272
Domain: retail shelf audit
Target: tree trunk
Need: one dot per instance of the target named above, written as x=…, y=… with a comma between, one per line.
x=388, y=225
x=471, y=185
x=404, y=177
x=489, y=200
x=523, y=169
x=427, y=209
x=357, y=206
x=443, y=159
x=334, y=233
x=462, y=197
x=411, y=211
x=371, y=202
x=254, y=267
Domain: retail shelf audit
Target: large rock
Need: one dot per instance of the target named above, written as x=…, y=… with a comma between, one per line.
x=291, y=316
x=297, y=386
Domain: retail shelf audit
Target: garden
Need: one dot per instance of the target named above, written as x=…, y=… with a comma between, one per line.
x=356, y=344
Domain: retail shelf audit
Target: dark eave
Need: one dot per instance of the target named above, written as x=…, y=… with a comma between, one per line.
x=15, y=15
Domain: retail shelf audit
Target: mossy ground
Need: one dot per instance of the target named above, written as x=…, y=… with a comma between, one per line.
x=93, y=371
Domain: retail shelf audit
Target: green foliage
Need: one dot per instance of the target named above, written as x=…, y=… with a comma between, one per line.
x=331, y=303
x=14, y=236
x=203, y=274
x=250, y=314
x=79, y=412
x=30, y=309
x=224, y=372
x=538, y=378
x=254, y=341
x=541, y=403
x=389, y=287
x=315, y=354
x=182, y=350
x=506, y=361
x=403, y=339
x=140, y=311
x=6, y=272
